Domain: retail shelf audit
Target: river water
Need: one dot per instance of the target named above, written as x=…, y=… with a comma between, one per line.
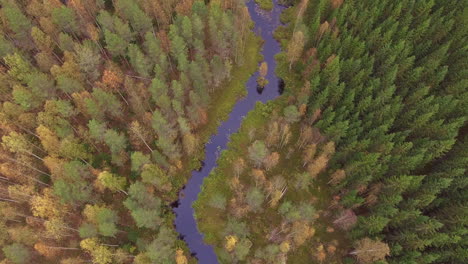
x=265, y=24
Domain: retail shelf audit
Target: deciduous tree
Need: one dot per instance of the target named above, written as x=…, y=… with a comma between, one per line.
x=369, y=251
x=258, y=152
x=100, y=253
x=112, y=182
x=17, y=253
x=295, y=47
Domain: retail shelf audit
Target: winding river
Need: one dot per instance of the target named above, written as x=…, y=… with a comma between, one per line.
x=265, y=24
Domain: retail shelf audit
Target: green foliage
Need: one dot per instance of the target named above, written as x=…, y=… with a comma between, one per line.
x=291, y=114
x=96, y=129
x=65, y=18
x=87, y=230
x=265, y=4
x=115, y=141
x=112, y=182
x=89, y=59
x=255, y=199
x=139, y=21
x=218, y=201
x=19, y=68
x=139, y=61
x=258, y=152
x=139, y=160
x=115, y=44
x=17, y=253
x=68, y=85
x=144, y=207
x=162, y=248
x=103, y=218
x=76, y=191
x=152, y=174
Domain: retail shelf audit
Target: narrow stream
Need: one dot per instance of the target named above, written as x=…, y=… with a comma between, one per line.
x=265, y=24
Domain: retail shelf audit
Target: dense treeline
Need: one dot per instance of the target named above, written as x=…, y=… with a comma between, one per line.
x=389, y=81
x=384, y=83
x=102, y=104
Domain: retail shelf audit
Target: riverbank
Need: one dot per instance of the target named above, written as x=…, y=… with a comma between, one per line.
x=185, y=222
x=222, y=102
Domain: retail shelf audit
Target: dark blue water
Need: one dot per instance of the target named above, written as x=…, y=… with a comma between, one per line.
x=265, y=24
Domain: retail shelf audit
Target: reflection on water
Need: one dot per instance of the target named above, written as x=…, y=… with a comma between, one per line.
x=260, y=89
x=281, y=85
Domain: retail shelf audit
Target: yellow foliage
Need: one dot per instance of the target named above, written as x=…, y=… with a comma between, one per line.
x=285, y=247
x=99, y=253
x=231, y=242
x=46, y=206
x=275, y=197
x=302, y=232
x=180, y=257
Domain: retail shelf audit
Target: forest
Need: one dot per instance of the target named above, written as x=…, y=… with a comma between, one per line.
x=106, y=107
x=363, y=159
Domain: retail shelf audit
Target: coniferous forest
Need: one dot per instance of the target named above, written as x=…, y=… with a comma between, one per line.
x=106, y=107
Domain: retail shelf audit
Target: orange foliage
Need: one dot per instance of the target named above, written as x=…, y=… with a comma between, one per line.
x=271, y=160
x=46, y=251
x=92, y=31
x=303, y=109
x=259, y=176
x=320, y=255
x=184, y=7
x=317, y=166
x=315, y=116
x=164, y=38
x=112, y=79
x=180, y=257
x=331, y=249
